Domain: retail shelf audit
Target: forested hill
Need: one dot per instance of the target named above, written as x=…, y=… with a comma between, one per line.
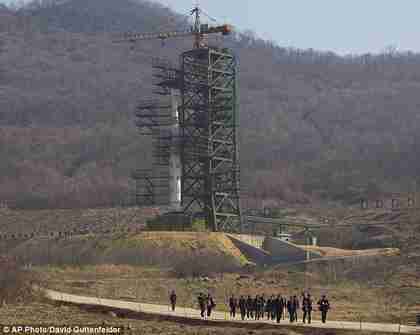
x=313, y=125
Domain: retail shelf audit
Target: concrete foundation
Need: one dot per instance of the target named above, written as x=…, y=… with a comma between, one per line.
x=285, y=252
x=250, y=251
x=270, y=250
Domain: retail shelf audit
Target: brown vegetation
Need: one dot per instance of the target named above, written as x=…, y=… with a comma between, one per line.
x=16, y=284
x=77, y=221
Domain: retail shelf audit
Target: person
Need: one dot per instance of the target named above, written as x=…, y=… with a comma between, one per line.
x=278, y=307
x=284, y=308
x=324, y=306
x=268, y=307
x=273, y=307
x=210, y=304
x=261, y=306
x=242, y=307
x=295, y=308
x=232, y=306
x=172, y=299
x=307, y=307
x=249, y=307
x=202, y=304
x=256, y=307
x=290, y=309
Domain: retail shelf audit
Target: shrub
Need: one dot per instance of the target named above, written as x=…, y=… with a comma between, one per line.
x=204, y=265
x=16, y=284
x=173, y=221
x=199, y=225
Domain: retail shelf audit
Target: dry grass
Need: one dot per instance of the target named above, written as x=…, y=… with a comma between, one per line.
x=335, y=252
x=181, y=241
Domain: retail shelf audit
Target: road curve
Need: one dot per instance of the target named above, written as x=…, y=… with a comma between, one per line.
x=190, y=313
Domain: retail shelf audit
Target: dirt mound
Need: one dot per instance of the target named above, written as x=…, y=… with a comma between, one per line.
x=163, y=249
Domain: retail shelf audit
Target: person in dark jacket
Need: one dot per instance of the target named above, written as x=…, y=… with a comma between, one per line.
x=249, y=307
x=256, y=307
x=268, y=307
x=242, y=307
x=284, y=308
x=307, y=308
x=278, y=307
x=232, y=306
x=261, y=304
x=172, y=299
x=324, y=306
x=273, y=307
x=290, y=309
x=295, y=308
x=210, y=304
x=202, y=304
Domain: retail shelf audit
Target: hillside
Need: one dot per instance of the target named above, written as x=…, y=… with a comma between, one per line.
x=53, y=221
x=313, y=125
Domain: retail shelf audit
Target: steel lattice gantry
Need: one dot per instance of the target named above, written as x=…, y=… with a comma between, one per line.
x=208, y=126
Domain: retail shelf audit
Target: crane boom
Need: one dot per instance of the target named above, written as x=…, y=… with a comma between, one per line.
x=204, y=30
x=132, y=37
x=198, y=30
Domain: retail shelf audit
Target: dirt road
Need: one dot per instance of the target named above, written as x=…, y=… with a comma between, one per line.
x=190, y=313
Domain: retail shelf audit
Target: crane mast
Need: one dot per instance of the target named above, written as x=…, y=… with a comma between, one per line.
x=198, y=38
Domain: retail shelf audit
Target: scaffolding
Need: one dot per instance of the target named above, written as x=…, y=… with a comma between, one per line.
x=209, y=150
x=158, y=118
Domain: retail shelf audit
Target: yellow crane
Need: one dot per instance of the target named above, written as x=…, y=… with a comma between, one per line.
x=197, y=30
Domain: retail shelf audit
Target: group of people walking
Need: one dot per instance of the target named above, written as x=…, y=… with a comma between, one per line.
x=272, y=308
x=205, y=302
x=276, y=307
